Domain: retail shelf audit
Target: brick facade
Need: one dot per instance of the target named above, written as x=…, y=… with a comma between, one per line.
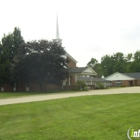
x=71, y=64
x=45, y=87
x=6, y=88
x=127, y=83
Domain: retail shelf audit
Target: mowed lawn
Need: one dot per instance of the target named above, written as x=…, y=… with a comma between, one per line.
x=104, y=117
x=16, y=94
x=4, y=95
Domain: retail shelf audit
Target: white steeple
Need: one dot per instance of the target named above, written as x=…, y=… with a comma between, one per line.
x=57, y=30
x=57, y=27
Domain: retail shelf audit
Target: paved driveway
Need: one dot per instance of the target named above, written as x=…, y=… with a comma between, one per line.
x=43, y=97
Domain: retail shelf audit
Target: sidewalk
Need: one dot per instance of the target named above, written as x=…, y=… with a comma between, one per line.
x=34, y=98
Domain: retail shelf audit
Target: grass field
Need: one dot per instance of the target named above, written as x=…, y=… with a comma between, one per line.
x=104, y=117
x=21, y=94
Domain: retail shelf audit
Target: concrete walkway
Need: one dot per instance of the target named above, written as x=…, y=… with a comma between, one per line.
x=43, y=97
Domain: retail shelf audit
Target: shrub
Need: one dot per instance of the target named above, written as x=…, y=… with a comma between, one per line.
x=96, y=88
x=86, y=88
x=123, y=86
x=80, y=85
x=100, y=85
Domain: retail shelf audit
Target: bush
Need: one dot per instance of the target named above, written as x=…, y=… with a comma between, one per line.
x=80, y=85
x=86, y=88
x=123, y=86
x=96, y=88
x=100, y=85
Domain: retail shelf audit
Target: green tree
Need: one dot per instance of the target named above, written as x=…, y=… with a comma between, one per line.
x=99, y=70
x=137, y=56
x=41, y=61
x=119, y=62
x=135, y=65
x=129, y=57
x=107, y=63
x=114, y=63
x=93, y=63
x=8, y=49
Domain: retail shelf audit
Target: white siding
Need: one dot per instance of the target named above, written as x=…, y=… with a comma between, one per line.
x=90, y=71
x=118, y=76
x=87, y=70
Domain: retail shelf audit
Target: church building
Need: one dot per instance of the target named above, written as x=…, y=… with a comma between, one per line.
x=75, y=73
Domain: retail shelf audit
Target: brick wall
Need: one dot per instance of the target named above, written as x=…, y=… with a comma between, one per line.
x=125, y=83
x=7, y=88
x=71, y=64
x=34, y=87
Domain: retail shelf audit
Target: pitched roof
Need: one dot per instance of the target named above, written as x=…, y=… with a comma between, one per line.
x=93, y=79
x=77, y=69
x=118, y=76
x=82, y=70
x=100, y=79
x=135, y=75
x=68, y=55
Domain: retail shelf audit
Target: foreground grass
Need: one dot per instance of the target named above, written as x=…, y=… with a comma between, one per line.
x=21, y=94
x=104, y=117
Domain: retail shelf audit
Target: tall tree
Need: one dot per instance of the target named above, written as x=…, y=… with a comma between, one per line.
x=114, y=63
x=107, y=63
x=93, y=63
x=135, y=65
x=41, y=61
x=129, y=57
x=9, y=46
x=119, y=62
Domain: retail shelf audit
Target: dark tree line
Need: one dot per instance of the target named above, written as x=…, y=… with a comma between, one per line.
x=116, y=63
x=38, y=61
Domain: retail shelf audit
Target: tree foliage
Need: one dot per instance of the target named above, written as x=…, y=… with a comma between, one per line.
x=117, y=62
x=93, y=63
x=135, y=64
x=8, y=49
x=40, y=61
x=37, y=61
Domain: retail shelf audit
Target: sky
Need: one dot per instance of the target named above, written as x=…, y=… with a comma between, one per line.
x=88, y=28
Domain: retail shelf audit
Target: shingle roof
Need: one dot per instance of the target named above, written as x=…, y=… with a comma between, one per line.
x=77, y=70
x=135, y=75
x=93, y=79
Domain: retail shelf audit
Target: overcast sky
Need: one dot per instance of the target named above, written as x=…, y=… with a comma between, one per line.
x=88, y=28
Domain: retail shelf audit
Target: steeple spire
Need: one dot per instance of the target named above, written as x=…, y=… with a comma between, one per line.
x=57, y=30
x=57, y=27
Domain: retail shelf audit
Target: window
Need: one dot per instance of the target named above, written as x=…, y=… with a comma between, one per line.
x=119, y=83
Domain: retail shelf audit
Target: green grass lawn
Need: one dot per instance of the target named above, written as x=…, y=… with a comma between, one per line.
x=104, y=117
x=21, y=94
x=15, y=94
